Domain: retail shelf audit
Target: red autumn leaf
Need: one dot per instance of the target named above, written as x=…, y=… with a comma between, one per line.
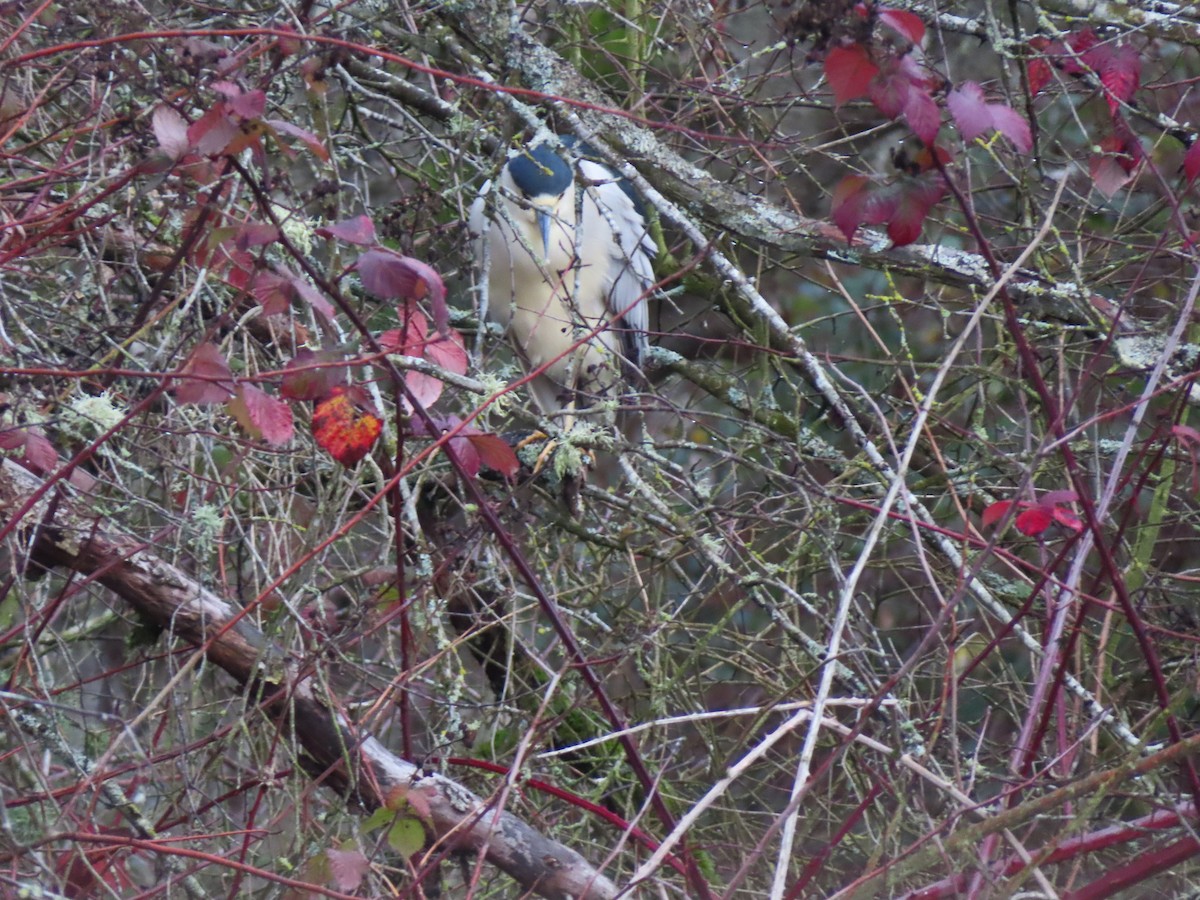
x=906, y=23
x=205, y=378
x=1038, y=68
x=1080, y=43
x=1120, y=70
x=409, y=339
x=849, y=71
x=889, y=89
x=38, y=454
x=922, y=115
x=262, y=415
x=255, y=234
x=32, y=450
x=1034, y=521
x=394, y=277
x=903, y=206
x=915, y=198
x=900, y=87
x=1191, y=162
x=344, y=430
x=414, y=339
x=1066, y=518
x=242, y=266
x=273, y=292
x=1035, y=518
x=1118, y=66
x=212, y=132
x=472, y=447
x=995, y=512
x=495, y=453
x=468, y=458
x=312, y=375
x=359, y=230
x=448, y=351
x=856, y=202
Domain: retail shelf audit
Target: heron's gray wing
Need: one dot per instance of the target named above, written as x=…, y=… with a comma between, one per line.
x=631, y=254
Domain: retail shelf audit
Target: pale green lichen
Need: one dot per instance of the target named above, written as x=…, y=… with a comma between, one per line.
x=297, y=229
x=87, y=415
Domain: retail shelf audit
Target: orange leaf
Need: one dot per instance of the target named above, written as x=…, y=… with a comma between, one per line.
x=344, y=430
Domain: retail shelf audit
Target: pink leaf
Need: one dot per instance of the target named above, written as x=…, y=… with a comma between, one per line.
x=467, y=455
x=1112, y=168
x=849, y=71
x=359, y=230
x=394, y=277
x=212, y=132
x=250, y=105
x=313, y=298
x=425, y=390
x=970, y=112
x=1012, y=125
x=171, y=131
x=262, y=415
x=255, y=234
x=1054, y=498
x=273, y=292
x=347, y=868
x=210, y=381
x=307, y=138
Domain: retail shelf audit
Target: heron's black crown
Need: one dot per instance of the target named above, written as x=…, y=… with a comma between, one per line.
x=540, y=172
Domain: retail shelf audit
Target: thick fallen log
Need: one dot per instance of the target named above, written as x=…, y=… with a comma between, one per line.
x=56, y=530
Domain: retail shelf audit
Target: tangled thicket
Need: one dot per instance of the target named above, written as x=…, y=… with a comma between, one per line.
x=892, y=592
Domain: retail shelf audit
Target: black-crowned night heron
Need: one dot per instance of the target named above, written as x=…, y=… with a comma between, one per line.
x=567, y=257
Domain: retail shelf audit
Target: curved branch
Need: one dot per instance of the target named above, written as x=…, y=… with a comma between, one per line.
x=58, y=531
